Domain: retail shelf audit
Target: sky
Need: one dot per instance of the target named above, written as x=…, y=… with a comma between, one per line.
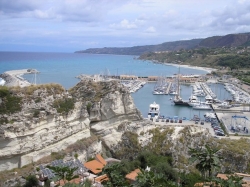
x=72, y=25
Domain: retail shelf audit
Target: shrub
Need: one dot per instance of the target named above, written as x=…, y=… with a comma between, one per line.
x=58, y=155
x=31, y=181
x=10, y=103
x=63, y=106
x=36, y=113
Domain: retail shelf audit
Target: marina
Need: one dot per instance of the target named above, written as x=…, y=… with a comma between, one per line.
x=141, y=87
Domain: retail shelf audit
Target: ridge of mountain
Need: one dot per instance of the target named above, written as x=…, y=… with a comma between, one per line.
x=230, y=40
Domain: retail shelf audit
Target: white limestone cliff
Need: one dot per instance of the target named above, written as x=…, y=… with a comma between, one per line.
x=26, y=139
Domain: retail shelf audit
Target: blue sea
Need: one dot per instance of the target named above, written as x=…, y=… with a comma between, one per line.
x=63, y=68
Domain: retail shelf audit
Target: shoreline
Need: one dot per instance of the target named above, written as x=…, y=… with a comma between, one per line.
x=14, y=77
x=209, y=70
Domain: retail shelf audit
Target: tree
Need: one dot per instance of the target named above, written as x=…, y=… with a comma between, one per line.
x=31, y=181
x=116, y=179
x=206, y=159
x=152, y=179
x=64, y=172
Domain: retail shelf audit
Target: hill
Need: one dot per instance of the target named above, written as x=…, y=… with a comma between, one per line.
x=138, y=50
x=230, y=40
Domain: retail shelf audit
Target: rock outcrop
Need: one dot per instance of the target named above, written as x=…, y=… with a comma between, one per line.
x=47, y=124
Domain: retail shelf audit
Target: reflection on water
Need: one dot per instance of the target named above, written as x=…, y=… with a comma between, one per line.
x=144, y=97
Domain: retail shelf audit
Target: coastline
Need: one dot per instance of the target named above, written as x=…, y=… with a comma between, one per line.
x=209, y=70
x=14, y=77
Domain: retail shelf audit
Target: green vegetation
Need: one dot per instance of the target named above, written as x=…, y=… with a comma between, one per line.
x=115, y=175
x=64, y=106
x=233, y=58
x=58, y=155
x=89, y=105
x=207, y=160
x=9, y=103
x=82, y=144
x=64, y=173
x=232, y=181
x=31, y=181
x=36, y=113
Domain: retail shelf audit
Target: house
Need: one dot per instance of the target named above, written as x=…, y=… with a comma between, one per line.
x=96, y=166
x=131, y=177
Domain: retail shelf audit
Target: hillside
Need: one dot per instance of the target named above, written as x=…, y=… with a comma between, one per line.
x=230, y=40
x=137, y=50
x=232, y=57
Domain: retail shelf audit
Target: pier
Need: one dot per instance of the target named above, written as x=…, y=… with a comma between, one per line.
x=168, y=88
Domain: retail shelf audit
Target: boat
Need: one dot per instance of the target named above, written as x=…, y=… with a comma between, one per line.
x=202, y=107
x=154, y=111
x=177, y=99
x=193, y=100
x=160, y=87
x=225, y=105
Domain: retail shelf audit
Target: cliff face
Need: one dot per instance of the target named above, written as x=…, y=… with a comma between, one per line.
x=49, y=122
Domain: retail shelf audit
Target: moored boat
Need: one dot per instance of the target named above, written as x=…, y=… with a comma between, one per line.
x=154, y=111
x=202, y=107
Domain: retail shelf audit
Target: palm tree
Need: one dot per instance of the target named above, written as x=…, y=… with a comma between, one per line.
x=64, y=172
x=206, y=159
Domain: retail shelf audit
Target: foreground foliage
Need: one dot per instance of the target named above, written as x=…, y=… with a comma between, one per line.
x=207, y=160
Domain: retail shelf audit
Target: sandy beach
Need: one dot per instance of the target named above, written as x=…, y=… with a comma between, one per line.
x=209, y=70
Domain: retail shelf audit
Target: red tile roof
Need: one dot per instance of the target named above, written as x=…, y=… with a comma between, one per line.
x=94, y=166
x=132, y=175
x=100, y=159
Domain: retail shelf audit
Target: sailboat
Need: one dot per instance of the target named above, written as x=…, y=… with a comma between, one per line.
x=177, y=99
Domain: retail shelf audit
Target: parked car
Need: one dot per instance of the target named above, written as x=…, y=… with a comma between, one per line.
x=220, y=134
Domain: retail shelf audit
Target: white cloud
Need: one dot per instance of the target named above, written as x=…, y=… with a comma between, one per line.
x=138, y=21
x=124, y=24
x=150, y=30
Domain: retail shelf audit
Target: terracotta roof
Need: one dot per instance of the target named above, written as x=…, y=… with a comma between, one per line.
x=132, y=175
x=94, y=166
x=101, y=178
x=100, y=159
x=222, y=176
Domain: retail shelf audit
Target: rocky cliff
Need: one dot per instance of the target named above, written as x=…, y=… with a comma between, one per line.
x=47, y=118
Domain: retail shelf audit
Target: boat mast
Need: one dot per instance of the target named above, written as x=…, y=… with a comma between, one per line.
x=178, y=85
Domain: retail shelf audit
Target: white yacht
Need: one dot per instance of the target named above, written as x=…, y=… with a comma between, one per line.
x=193, y=100
x=209, y=99
x=154, y=111
x=202, y=107
x=224, y=105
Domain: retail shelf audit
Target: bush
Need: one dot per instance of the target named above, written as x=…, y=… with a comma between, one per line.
x=10, y=103
x=31, y=181
x=36, y=113
x=63, y=106
x=58, y=155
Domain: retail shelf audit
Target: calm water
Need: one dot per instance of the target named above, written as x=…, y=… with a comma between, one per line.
x=62, y=68
x=144, y=97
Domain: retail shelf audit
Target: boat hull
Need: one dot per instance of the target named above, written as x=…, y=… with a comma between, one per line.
x=182, y=103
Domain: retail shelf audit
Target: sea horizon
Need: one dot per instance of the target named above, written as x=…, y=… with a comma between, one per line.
x=62, y=68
